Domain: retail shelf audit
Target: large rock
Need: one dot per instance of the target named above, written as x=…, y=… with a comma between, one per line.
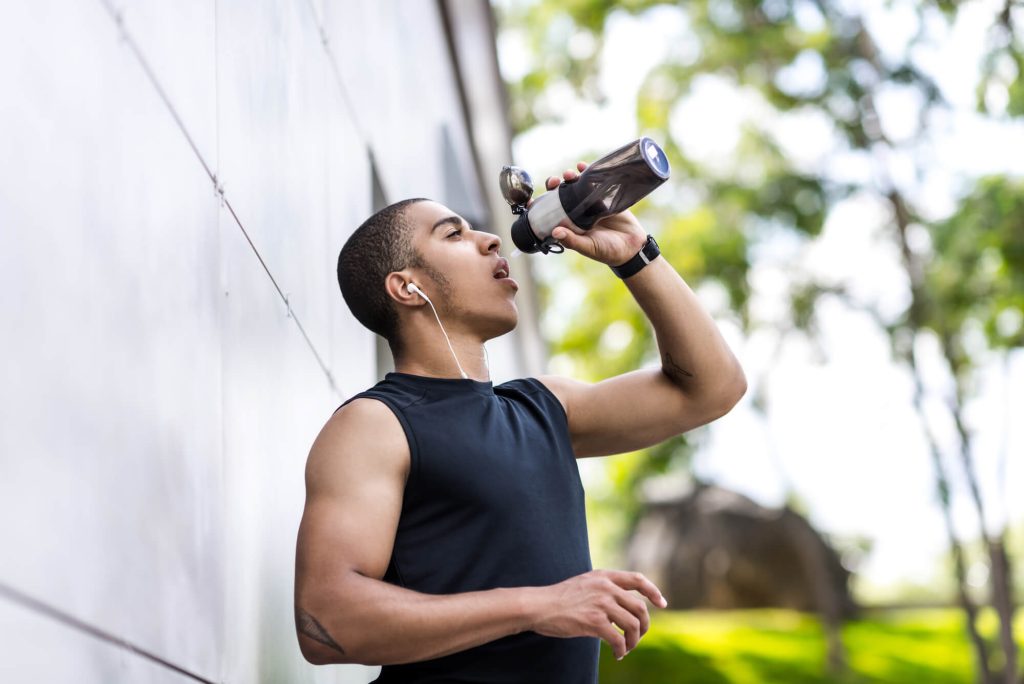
x=715, y=548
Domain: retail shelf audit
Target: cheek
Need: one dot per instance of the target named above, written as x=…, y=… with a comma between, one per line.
x=469, y=293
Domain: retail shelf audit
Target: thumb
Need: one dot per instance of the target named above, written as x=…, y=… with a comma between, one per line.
x=564, y=235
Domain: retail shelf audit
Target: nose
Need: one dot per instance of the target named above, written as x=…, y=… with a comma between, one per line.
x=492, y=241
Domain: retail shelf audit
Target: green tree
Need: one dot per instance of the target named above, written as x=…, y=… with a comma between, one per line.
x=964, y=271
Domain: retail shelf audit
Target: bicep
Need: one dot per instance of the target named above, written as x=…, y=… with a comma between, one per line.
x=626, y=412
x=355, y=478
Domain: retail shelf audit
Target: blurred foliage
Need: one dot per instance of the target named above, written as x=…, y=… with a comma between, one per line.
x=936, y=589
x=786, y=647
x=710, y=218
x=976, y=272
x=1002, y=75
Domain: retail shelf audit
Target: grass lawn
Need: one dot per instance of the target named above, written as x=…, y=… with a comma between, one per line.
x=925, y=646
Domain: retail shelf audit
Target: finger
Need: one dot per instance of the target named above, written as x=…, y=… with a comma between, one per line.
x=567, y=237
x=614, y=638
x=629, y=624
x=552, y=182
x=637, y=580
x=636, y=606
x=582, y=166
x=570, y=175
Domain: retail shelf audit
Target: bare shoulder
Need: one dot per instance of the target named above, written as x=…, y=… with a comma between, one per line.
x=362, y=436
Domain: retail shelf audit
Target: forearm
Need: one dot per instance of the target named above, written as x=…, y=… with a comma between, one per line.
x=376, y=623
x=693, y=352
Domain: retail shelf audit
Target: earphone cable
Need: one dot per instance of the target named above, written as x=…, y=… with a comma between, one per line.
x=464, y=376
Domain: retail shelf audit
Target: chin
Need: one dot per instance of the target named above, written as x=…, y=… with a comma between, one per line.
x=503, y=325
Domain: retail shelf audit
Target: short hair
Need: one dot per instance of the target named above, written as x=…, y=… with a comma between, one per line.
x=381, y=245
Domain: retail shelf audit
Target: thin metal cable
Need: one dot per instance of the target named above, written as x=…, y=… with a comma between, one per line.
x=349, y=105
x=39, y=606
x=218, y=187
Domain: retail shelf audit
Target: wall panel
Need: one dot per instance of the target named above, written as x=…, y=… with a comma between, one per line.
x=110, y=260
x=41, y=650
x=158, y=397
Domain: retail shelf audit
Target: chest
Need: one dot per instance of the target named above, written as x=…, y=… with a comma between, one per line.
x=493, y=453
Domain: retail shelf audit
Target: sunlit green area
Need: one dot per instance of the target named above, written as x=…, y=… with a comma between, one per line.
x=761, y=646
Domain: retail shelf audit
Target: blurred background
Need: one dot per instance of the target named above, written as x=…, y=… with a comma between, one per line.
x=847, y=200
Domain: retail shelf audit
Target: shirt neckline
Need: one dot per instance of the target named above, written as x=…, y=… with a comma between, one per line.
x=485, y=387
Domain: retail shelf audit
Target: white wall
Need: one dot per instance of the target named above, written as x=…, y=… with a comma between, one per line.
x=158, y=397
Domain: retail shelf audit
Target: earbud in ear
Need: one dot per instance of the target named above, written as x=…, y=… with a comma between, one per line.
x=411, y=287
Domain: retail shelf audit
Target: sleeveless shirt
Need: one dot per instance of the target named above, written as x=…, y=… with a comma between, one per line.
x=493, y=499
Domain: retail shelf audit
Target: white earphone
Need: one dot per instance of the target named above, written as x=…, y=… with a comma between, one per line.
x=410, y=288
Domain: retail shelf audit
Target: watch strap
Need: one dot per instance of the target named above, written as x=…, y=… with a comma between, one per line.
x=647, y=254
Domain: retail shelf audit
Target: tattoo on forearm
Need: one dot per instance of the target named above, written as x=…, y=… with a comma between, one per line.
x=309, y=626
x=674, y=370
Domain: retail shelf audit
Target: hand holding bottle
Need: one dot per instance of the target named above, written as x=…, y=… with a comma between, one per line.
x=601, y=190
x=613, y=240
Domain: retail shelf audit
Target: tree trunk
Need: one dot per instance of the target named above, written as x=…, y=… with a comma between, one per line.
x=1000, y=573
x=1002, y=599
x=942, y=483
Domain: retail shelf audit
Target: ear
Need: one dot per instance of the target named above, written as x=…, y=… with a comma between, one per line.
x=395, y=283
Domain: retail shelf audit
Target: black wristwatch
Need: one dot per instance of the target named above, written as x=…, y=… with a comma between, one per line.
x=641, y=259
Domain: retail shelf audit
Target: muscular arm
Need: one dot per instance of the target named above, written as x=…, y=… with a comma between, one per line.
x=699, y=380
x=345, y=613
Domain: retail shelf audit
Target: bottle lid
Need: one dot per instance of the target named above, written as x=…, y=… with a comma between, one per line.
x=526, y=240
x=522, y=235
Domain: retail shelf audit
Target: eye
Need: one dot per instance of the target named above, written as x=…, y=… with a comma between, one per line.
x=457, y=231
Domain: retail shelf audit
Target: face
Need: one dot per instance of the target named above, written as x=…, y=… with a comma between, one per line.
x=460, y=278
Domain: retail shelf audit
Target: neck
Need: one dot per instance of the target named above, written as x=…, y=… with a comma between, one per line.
x=432, y=358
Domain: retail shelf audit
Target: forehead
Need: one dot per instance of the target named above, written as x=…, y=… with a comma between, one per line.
x=423, y=216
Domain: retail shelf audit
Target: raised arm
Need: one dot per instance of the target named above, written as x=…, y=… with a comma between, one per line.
x=699, y=379
x=346, y=613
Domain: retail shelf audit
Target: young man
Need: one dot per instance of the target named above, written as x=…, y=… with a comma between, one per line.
x=444, y=534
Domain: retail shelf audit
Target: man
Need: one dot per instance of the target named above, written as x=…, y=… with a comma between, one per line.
x=444, y=534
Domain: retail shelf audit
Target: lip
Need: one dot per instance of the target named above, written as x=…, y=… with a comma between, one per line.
x=502, y=264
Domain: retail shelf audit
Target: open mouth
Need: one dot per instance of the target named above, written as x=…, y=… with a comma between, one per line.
x=501, y=269
x=501, y=272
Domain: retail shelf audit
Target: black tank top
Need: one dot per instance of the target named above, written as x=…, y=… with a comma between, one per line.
x=493, y=499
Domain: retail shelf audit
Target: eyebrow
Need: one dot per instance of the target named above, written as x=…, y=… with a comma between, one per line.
x=447, y=219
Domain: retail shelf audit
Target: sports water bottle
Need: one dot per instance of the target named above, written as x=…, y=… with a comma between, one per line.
x=613, y=183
